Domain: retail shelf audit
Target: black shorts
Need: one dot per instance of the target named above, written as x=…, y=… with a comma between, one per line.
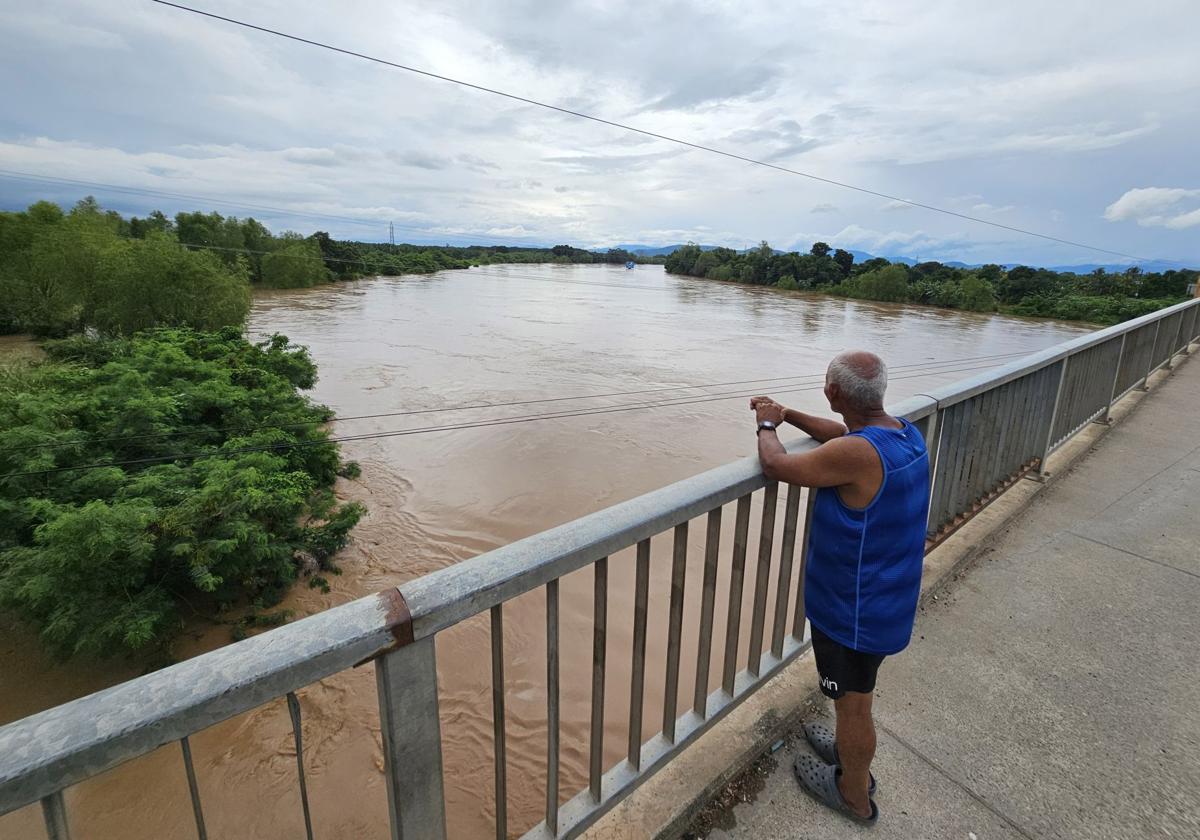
x=843, y=669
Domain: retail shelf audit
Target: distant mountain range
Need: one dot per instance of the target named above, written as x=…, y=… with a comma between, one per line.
x=863, y=256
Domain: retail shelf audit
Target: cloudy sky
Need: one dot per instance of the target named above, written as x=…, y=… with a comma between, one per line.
x=1079, y=119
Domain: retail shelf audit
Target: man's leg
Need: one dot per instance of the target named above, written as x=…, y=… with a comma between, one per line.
x=856, y=748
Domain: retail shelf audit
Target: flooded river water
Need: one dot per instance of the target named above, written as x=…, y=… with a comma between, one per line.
x=501, y=334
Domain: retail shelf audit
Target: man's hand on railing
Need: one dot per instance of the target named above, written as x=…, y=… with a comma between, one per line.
x=819, y=429
x=765, y=408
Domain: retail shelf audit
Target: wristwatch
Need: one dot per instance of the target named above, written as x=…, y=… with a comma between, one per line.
x=766, y=424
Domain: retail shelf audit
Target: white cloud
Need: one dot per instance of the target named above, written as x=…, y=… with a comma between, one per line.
x=984, y=207
x=1184, y=220
x=1156, y=207
x=1049, y=120
x=918, y=244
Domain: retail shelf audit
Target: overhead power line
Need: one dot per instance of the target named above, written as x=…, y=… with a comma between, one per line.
x=786, y=380
x=672, y=403
x=646, y=133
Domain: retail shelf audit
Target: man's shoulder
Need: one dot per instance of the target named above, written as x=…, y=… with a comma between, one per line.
x=849, y=446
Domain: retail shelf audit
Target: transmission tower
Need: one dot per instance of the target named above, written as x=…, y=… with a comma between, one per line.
x=392, y=234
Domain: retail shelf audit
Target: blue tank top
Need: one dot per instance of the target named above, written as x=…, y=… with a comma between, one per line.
x=863, y=575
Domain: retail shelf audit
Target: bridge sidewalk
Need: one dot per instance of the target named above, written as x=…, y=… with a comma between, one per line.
x=1053, y=691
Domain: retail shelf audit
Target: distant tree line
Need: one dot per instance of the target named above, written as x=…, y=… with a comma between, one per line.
x=349, y=259
x=93, y=269
x=1099, y=297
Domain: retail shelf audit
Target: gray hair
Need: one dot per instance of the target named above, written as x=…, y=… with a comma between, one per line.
x=860, y=376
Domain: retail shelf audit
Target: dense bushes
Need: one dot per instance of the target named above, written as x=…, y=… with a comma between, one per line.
x=296, y=265
x=63, y=273
x=1093, y=308
x=890, y=283
x=218, y=475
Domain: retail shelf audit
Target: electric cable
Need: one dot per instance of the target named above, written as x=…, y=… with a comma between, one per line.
x=644, y=132
x=794, y=379
x=159, y=459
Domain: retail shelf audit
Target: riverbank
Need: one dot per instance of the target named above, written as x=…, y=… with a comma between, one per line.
x=1003, y=311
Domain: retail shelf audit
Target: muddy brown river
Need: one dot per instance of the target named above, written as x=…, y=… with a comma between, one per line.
x=499, y=334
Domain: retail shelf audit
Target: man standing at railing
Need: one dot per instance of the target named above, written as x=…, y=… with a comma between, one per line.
x=866, y=549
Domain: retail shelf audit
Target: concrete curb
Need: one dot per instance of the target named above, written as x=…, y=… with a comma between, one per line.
x=667, y=804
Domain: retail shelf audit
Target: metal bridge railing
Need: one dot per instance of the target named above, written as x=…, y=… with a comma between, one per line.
x=983, y=433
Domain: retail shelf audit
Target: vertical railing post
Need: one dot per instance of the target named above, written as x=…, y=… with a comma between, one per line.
x=55, y=812
x=406, y=680
x=930, y=427
x=293, y=704
x=552, y=707
x=1171, y=348
x=194, y=788
x=733, y=616
x=599, y=654
x=1112, y=394
x=766, y=536
x=1145, y=386
x=1043, y=473
x=637, y=677
x=499, y=742
x=675, y=631
x=787, y=552
x=798, y=616
x=708, y=597
x=1189, y=332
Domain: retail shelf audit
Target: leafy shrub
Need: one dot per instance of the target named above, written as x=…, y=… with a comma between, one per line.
x=102, y=560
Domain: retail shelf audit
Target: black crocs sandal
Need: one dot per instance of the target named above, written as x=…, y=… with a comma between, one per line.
x=820, y=781
x=824, y=743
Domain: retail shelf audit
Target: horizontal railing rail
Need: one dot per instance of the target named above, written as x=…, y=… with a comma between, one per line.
x=983, y=434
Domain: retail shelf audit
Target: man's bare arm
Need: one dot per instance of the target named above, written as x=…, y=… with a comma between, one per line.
x=818, y=428
x=833, y=464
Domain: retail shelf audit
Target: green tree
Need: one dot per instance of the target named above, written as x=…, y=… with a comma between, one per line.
x=814, y=271
x=155, y=223
x=820, y=249
x=154, y=283
x=889, y=284
x=845, y=261
x=873, y=264
x=1020, y=282
x=976, y=294
x=682, y=259
x=296, y=265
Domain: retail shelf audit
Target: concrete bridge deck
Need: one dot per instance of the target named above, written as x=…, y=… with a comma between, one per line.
x=1053, y=690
